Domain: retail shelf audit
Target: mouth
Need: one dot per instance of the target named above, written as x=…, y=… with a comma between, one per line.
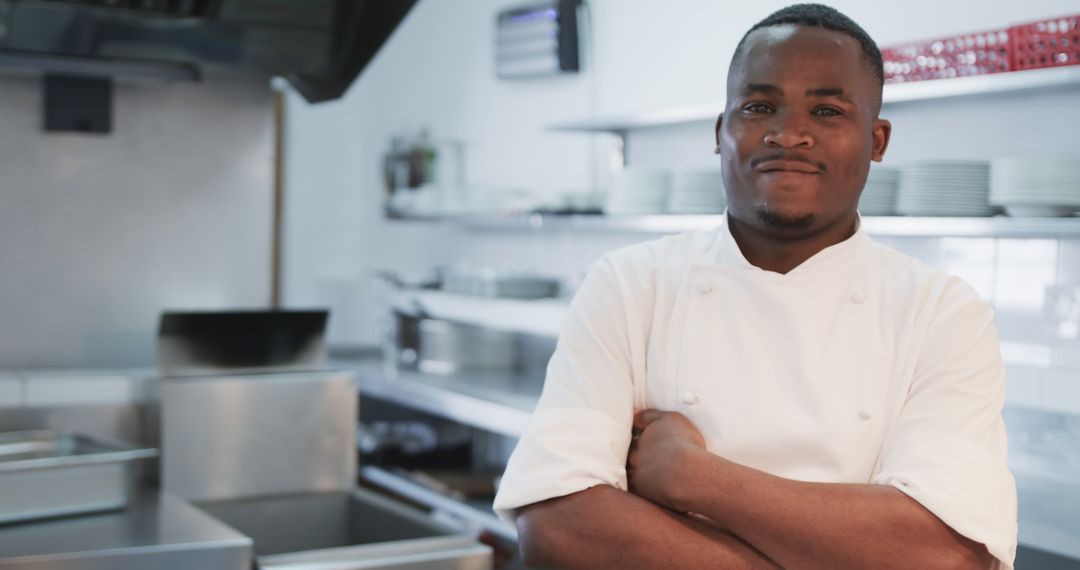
x=787, y=166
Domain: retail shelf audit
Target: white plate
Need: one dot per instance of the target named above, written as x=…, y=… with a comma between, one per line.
x=1029, y=211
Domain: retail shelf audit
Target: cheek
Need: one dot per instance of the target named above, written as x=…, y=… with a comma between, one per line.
x=737, y=144
x=851, y=158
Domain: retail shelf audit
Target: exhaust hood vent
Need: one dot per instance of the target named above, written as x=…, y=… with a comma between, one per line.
x=319, y=46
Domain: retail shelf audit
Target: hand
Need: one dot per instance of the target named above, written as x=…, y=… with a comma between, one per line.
x=661, y=447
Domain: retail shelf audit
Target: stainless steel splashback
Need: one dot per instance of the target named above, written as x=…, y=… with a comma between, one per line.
x=238, y=436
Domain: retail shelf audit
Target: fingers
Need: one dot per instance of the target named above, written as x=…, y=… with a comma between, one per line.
x=645, y=417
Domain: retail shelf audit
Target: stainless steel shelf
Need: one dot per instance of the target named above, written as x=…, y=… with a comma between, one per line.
x=496, y=403
x=874, y=225
x=1012, y=82
x=406, y=488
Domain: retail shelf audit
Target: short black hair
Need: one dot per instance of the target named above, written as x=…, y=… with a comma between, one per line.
x=821, y=16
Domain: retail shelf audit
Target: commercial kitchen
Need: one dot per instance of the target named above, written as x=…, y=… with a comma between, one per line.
x=281, y=279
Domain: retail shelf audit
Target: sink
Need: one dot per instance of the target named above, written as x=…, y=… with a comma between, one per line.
x=357, y=529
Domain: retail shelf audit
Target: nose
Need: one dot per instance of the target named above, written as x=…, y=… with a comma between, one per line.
x=788, y=131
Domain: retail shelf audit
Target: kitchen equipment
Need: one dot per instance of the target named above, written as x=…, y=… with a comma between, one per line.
x=212, y=342
x=537, y=39
x=639, y=191
x=958, y=55
x=1036, y=187
x=879, y=195
x=489, y=282
x=945, y=188
x=249, y=408
x=46, y=473
x=225, y=437
x=444, y=347
x=318, y=47
x=274, y=455
x=357, y=529
x=1046, y=43
x=698, y=192
x=156, y=531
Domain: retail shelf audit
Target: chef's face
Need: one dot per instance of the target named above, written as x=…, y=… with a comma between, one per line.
x=799, y=130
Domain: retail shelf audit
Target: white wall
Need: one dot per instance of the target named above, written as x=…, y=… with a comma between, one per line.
x=98, y=234
x=437, y=71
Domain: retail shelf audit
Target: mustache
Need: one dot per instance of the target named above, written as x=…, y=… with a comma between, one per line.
x=787, y=156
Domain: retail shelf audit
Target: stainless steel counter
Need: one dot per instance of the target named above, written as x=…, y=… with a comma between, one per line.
x=156, y=531
x=1048, y=508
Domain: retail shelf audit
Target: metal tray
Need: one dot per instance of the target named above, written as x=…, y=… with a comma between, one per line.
x=46, y=474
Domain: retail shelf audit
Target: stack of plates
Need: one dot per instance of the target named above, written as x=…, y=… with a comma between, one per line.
x=639, y=191
x=879, y=195
x=945, y=188
x=698, y=192
x=1036, y=187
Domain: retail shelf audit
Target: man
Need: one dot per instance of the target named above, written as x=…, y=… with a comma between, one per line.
x=827, y=402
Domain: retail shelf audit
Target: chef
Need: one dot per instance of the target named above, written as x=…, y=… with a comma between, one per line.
x=780, y=391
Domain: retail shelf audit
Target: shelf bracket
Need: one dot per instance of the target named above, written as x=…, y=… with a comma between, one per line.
x=617, y=160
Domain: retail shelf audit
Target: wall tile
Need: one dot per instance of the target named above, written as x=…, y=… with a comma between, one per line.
x=925, y=249
x=1024, y=326
x=1061, y=390
x=1067, y=353
x=973, y=260
x=1023, y=386
x=1026, y=267
x=10, y=390
x=1069, y=261
x=1027, y=354
x=78, y=389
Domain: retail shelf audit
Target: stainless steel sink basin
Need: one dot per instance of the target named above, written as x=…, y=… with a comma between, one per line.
x=347, y=530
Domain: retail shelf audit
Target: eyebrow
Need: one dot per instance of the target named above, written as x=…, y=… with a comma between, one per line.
x=828, y=92
x=771, y=89
x=762, y=88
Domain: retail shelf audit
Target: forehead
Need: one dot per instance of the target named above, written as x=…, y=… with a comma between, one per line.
x=809, y=56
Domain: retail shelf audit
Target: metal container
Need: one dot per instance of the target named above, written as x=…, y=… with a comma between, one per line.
x=350, y=530
x=156, y=531
x=436, y=346
x=47, y=473
x=499, y=284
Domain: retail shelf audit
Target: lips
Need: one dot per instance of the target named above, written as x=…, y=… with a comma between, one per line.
x=793, y=166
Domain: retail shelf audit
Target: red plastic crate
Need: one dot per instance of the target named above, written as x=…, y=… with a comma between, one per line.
x=962, y=55
x=1052, y=42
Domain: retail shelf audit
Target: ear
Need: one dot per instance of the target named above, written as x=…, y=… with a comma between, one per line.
x=882, y=133
x=716, y=131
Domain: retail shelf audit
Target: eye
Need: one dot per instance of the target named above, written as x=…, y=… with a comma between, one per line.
x=827, y=112
x=757, y=108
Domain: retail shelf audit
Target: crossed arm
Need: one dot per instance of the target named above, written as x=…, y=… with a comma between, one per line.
x=743, y=518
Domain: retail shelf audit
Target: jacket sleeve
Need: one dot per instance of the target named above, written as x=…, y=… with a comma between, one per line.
x=947, y=450
x=579, y=434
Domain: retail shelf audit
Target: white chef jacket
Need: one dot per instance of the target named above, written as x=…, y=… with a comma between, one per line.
x=861, y=365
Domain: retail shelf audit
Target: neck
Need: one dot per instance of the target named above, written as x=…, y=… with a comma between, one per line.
x=773, y=251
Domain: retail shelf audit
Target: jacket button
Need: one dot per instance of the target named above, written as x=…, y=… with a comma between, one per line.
x=858, y=297
x=866, y=413
x=690, y=398
x=704, y=287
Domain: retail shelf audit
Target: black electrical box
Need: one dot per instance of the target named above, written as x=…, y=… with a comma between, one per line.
x=80, y=104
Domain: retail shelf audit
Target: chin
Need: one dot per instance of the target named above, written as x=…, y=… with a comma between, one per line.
x=785, y=220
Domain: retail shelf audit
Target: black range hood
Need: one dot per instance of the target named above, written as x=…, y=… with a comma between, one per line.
x=319, y=46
